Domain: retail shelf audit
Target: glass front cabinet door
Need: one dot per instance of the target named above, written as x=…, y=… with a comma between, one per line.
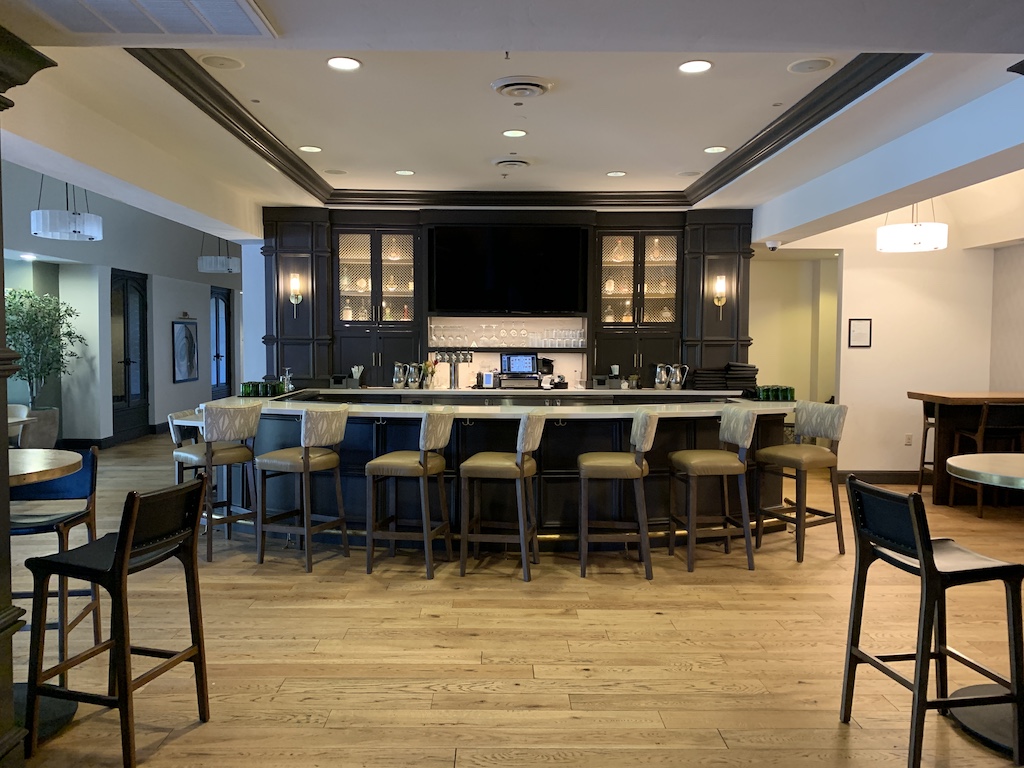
x=639, y=279
x=376, y=277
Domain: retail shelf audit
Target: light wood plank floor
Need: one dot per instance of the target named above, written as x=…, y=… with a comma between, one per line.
x=720, y=667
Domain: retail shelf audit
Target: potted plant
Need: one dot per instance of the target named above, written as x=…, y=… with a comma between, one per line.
x=40, y=328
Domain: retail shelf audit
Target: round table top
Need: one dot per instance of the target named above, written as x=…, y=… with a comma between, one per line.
x=1005, y=470
x=33, y=465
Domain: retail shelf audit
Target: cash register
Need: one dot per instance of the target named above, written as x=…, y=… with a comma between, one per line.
x=519, y=371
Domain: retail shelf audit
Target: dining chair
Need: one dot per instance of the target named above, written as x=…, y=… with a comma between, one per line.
x=154, y=527
x=15, y=411
x=892, y=528
x=1000, y=427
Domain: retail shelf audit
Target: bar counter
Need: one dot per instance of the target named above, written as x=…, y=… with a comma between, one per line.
x=578, y=421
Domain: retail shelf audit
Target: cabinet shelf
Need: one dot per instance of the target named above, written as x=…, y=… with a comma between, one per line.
x=538, y=350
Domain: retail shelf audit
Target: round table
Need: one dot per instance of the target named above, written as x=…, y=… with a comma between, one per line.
x=991, y=724
x=34, y=465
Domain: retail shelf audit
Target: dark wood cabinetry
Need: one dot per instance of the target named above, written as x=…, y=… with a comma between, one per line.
x=377, y=308
x=635, y=352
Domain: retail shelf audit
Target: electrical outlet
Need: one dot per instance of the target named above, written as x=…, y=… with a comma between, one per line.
x=908, y=439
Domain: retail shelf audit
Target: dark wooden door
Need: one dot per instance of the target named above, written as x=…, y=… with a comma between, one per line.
x=356, y=346
x=613, y=348
x=130, y=369
x=220, y=342
x=652, y=350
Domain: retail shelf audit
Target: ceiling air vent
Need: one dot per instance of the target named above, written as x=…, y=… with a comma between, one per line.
x=521, y=86
x=511, y=162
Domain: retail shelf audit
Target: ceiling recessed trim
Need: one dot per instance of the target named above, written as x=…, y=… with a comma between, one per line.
x=238, y=18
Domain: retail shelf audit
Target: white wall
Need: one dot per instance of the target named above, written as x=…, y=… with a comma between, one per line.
x=1008, y=320
x=86, y=413
x=931, y=330
x=168, y=299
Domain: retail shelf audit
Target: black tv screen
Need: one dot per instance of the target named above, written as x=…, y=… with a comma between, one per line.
x=507, y=269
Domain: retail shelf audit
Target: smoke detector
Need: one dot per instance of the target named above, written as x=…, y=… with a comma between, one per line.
x=521, y=86
x=511, y=162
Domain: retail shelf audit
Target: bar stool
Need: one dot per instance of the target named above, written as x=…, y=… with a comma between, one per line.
x=1001, y=425
x=519, y=467
x=230, y=432
x=189, y=448
x=813, y=420
x=320, y=436
x=928, y=424
x=427, y=462
x=688, y=466
x=893, y=528
x=619, y=465
x=154, y=528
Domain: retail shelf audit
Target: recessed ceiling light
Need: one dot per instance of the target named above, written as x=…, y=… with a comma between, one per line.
x=714, y=150
x=344, y=63
x=615, y=173
x=406, y=173
x=514, y=133
x=695, y=66
x=310, y=148
x=336, y=172
x=690, y=173
x=214, y=61
x=807, y=66
x=28, y=256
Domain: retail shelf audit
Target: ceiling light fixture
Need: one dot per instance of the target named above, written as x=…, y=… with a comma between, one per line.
x=310, y=148
x=695, y=67
x=28, y=256
x=521, y=86
x=715, y=150
x=406, y=173
x=219, y=263
x=515, y=133
x=615, y=173
x=344, y=63
x=913, y=236
x=809, y=66
x=689, y=173
x=67, y=223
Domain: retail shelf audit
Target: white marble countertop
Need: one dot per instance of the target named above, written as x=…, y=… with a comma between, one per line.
x=684, y=410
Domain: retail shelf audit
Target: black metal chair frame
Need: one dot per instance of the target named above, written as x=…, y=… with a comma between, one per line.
x=79, y=486
x=892, y=527
x=155, y=527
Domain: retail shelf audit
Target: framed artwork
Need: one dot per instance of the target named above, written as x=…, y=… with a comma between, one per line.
x=185, y=346
x=860, y=332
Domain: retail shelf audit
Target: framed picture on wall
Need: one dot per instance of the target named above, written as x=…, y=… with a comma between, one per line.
x=860, y=332
x=185, y=346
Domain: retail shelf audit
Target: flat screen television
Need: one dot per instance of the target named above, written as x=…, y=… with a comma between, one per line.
x=507, y=269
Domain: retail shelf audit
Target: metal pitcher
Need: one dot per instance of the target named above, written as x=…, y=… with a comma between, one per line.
x=662, y=373
x=401, y=375
x=415, y=375
x=678, y=376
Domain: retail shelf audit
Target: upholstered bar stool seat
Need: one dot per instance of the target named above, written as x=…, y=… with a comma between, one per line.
x=230, y=432
x=427, y=462
x=619, y=465
x=737, y=429
x=318, y=429
x=519, y=467
x=813, y=421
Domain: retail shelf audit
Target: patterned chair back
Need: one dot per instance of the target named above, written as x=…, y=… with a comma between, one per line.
x=819, y=420
x=645, y=424
x=531, y=427
x=222, y=423
x=436, y=429
x=737, y=426
x=180, y=434
x=321, y=428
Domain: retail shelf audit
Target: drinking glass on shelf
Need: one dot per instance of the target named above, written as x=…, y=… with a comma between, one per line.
x=523, y=333
x=514, y=333
x=494, y=337
x=503, y=333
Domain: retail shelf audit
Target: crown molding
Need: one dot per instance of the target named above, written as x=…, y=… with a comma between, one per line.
x=19, y=61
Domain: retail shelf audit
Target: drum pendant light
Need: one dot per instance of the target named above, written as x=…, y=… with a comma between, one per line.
x=912, y=237
x=68, y=223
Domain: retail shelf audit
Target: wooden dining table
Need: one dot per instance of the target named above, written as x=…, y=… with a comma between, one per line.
x=953, y=411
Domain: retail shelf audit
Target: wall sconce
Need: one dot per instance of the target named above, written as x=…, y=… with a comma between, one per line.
x=295, y=295
x=720, y=294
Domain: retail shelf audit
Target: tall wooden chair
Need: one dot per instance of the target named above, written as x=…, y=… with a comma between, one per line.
x=1000, y=428
x=892, y=528
x=619, y=465
x=688, y=466
x=154, y=527
x=519, y=467
x=427, y=462
x=29, y=520
x=813, y=421
x=320, y=436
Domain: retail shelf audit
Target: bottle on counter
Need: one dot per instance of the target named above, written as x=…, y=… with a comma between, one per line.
x=609, y=314
x=344, y=278
x=346, y=311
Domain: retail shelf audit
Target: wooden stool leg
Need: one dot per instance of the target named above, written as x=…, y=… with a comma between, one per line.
x=464, y=526
x=801, y=513
x=584, y=526
x=120, y=654
x=745, y=518
x=428, y=549
x=834, y=477
x=307, y=518
x=532, y=508
x=40, y=591
x=691, y=522
x=524, y=544
x=922, y=664
x=446, y=526
x=195, y=619
x=860, y=577
x=371, y=521
x=726, y=516
x=341, y=512
x=645, y=533
x=261, y=518
x=673, y=479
